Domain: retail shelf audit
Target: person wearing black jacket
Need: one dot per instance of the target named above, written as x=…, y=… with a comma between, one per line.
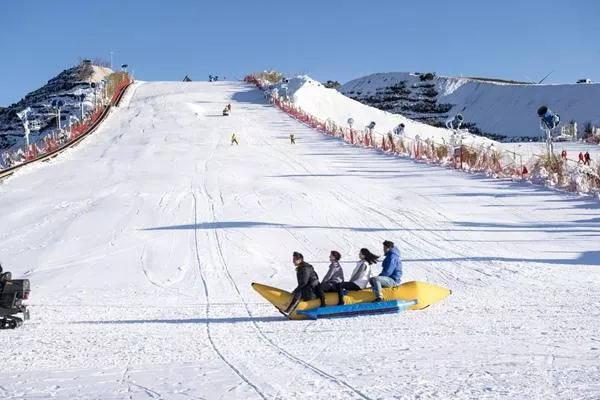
x=308, y=287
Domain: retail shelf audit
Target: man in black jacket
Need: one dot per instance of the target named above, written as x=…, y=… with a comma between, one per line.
x=308, y=284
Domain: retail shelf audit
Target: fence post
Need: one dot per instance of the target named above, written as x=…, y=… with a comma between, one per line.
x=521, y=162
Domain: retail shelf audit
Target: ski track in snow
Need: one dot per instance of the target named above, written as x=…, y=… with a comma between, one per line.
x=141, y=244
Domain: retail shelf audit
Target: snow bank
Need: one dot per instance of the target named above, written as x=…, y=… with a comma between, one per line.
x=100, y=73
x=496, y=107
x=324, y=103
x=421, y=141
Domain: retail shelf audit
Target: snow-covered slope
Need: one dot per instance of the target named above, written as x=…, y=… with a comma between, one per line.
x=66, y=86
x=329, y=104
x=142, y=242
x=500, y=108
x=324, y=103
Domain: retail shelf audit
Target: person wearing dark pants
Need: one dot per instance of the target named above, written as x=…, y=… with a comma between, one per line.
x=308, y=287
x=391, y=272
x=335, y=274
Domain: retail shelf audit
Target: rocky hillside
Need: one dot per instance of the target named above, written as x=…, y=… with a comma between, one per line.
x=67, y=86
x=503, y=110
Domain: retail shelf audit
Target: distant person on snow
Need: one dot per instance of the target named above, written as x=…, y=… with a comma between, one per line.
x=292, y=138
x=581, y=158
x=391, y=272
x=234, y=139
x=229, y=107
x=563, y=154
x=361, y=274
x=587, y=158
x=334, y=276
x=308, y=284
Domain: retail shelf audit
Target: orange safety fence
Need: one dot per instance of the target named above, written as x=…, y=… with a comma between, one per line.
x=485, y=159
x=53, y=143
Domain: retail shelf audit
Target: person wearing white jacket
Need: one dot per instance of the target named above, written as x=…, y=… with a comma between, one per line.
x=361, y=274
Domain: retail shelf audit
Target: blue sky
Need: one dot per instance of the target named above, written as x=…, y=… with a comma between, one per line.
x=340, y=40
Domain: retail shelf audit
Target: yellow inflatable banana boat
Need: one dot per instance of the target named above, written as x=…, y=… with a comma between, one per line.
x=413, y=295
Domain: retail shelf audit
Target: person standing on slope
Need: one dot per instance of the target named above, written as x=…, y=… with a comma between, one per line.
x=234, y=139
x=292, y=138
x=334, y=276
x=391, y=272
x=308, y=284
x=360, y=276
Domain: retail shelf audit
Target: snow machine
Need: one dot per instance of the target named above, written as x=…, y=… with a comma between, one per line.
x=548, y=119
x=413, y=295
x=12, y=294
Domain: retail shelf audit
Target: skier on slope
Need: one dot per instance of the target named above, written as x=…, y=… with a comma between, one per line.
x=234, y=139
x=292, y=138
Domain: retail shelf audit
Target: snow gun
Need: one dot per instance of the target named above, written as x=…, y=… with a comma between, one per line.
x=548, y=119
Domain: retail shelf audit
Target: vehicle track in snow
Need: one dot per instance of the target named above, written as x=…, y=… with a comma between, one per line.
x=218, y=247
x=262, y=335
x=207, y=310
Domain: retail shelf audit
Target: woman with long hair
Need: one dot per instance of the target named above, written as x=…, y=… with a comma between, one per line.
x=360, y=276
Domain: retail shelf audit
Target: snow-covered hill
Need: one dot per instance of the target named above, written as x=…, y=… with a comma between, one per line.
x=329, y=104
x=66, y=86
x=141, y=244
x=503, y=109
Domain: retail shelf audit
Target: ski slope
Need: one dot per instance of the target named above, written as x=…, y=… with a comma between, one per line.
x=142, y=242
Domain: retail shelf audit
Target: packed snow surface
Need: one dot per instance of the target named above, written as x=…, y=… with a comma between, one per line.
x=141, y=244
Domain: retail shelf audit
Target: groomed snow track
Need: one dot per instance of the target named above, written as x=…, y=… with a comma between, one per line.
x=142, y=242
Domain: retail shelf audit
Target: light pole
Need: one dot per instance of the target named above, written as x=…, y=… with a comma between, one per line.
x=57, y=105
x=370, y=128
x=23, y=115
x=95, y=102
x=72, y=120
x=81, y=99
x=105, y=87
x=350, y=123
